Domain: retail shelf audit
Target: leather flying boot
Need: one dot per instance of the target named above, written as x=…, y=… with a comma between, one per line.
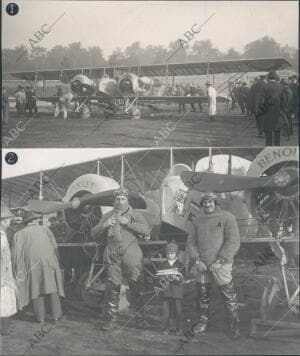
x=229, y=295
x=203, y=291
x=112, y=307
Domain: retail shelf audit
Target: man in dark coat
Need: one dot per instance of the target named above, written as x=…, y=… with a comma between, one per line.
x=273, y=101
x=295, y=88
x=258, y=101
x=212, y=243
x=287, y=105
x=121, y=227
x=5, y=106
x=30, y=101
x=180, y=92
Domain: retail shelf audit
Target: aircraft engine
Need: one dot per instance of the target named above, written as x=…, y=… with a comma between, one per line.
x=87, y=216
x=278, y=205
x=130, y=84
x=81, y=85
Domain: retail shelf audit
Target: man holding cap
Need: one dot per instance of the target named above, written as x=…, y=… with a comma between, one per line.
x=121, y=227
x=212, y=244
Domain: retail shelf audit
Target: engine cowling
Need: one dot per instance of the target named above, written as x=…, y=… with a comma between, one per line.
x=131, y=84
x=280, y=205
x=84, y=218
x=81, y=85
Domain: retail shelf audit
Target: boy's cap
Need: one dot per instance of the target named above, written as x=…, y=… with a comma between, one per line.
x=172, y=247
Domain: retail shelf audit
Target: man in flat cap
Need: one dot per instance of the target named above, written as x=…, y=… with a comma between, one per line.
x=122, y=255
x=271, y=110
x=211, y=246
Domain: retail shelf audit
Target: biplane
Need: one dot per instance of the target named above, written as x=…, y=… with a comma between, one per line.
x=166, y=191
x=121, y=89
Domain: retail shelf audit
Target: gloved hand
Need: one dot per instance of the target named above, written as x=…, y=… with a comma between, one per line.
x=199, y=267
x=215, y=265
x=123, y=220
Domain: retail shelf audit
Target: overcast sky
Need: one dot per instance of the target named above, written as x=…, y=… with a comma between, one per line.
x=112, y=24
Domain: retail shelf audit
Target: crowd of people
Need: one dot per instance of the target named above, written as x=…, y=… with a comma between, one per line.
x=26, y=100
x=31, y=269
x=271, y=100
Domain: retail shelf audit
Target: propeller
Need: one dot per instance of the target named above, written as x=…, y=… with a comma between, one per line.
x=103, y=198
x=219, y=183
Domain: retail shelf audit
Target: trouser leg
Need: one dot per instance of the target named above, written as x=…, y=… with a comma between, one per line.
x=166, y=309
x=5, y=326
x=178, y=313
x=277, y=138
x=112, y=305
x=229, y=296
x=55, y=305
x=39, y=308
x=136, y=302
x=65, y=112
x=56, y=111
x=268, y=138
x=203, y=293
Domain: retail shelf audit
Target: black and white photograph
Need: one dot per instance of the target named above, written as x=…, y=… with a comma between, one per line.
x=149, y=178
x=149, y=74
x=173, y=251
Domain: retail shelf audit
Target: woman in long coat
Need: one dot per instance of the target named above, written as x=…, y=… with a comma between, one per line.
x=8, y=288
x=37, y=271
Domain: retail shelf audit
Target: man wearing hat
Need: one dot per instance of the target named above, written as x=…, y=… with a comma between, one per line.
x=211, y=246
x=121, y=228
x=36, y=268
x=271, y=110
x=212, y=100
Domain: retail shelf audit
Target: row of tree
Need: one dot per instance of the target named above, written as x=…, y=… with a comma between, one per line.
x=74, y=55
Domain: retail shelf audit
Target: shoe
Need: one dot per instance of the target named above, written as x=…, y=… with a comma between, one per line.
x=110, y=325
x=201, y=327
x=178, y=332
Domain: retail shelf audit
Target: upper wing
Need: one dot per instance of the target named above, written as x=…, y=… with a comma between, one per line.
x=160, y=70
x=219, y=183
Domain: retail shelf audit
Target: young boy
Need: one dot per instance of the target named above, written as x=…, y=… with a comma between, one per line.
x=171, y=275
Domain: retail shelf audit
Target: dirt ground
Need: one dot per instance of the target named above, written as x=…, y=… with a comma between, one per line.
x=79, y=333
x=155, y=128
